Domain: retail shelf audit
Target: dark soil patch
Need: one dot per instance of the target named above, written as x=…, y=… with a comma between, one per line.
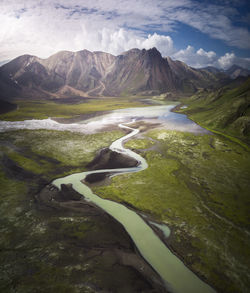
x=6, y=107
x=108, y=249
x=108, y=159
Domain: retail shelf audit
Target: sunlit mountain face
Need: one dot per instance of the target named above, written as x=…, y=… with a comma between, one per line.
x=89, y=74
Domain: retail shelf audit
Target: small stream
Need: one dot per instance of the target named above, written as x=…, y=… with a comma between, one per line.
x=177, y=277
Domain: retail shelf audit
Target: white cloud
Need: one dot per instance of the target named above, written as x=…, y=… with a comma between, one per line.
x=21, y=37
x=216, y=22
x=227, y=60
x=209, y=55
x=118, y=41
x=199, y=58
x=44, y=27
x=163, y=43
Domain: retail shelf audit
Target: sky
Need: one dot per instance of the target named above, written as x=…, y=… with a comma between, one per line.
x=199, y=33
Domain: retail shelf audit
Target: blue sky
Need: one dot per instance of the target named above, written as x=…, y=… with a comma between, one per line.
x=200, y=33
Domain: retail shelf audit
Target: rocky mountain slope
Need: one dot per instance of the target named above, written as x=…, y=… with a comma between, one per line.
x=235, y=71
x=88, y=74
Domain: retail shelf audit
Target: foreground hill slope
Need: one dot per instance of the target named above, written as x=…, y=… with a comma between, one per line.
x=87, y=74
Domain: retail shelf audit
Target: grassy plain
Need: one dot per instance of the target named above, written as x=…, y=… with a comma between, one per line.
x=44, y=109
x=52, y=153
x=196, y=184
x=54, y=251
x=199, y=186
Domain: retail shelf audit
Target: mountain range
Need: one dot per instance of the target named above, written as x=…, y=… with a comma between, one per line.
x=89, y=74
x=235, y=71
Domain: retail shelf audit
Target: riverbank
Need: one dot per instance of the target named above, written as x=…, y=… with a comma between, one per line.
x=58, y=250
x=168, y=266
x=190, y=196
x=122, y=252
x=190, y=185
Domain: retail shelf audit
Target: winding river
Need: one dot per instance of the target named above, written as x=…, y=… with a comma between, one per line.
x=177, y=277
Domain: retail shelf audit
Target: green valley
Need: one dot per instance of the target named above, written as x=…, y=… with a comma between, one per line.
x=198, y=185
x=167, y=144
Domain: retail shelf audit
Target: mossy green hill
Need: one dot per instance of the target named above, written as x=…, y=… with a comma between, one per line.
x=198, y=185
x=226, y=110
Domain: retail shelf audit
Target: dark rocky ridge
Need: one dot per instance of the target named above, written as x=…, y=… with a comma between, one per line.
x=55, y=241
x=108, y=159
x=87, y=74
x=113, y=244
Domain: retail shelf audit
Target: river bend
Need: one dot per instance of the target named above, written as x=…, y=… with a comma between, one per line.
x=177, y=277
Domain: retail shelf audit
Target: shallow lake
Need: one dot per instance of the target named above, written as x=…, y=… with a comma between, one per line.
x=153, y=114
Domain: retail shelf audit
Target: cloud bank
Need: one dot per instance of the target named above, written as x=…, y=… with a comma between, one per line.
x=45, y=27
x=201, y=58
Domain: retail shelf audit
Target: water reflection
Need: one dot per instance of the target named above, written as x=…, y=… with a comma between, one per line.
x=154, y=114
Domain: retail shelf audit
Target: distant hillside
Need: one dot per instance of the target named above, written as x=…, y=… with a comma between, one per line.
x=212, y=69
x=190, y=79
x=236, y=71
x=233, y=72
x=226, y=109
x=87, y=74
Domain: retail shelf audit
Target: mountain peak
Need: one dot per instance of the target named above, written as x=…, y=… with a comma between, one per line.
x=154, y=49
x=154, y=52
x=131, y=51
x=151, y=52
x=88, y=74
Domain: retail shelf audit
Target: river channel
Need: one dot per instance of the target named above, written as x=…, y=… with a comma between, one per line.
x=177, y=277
